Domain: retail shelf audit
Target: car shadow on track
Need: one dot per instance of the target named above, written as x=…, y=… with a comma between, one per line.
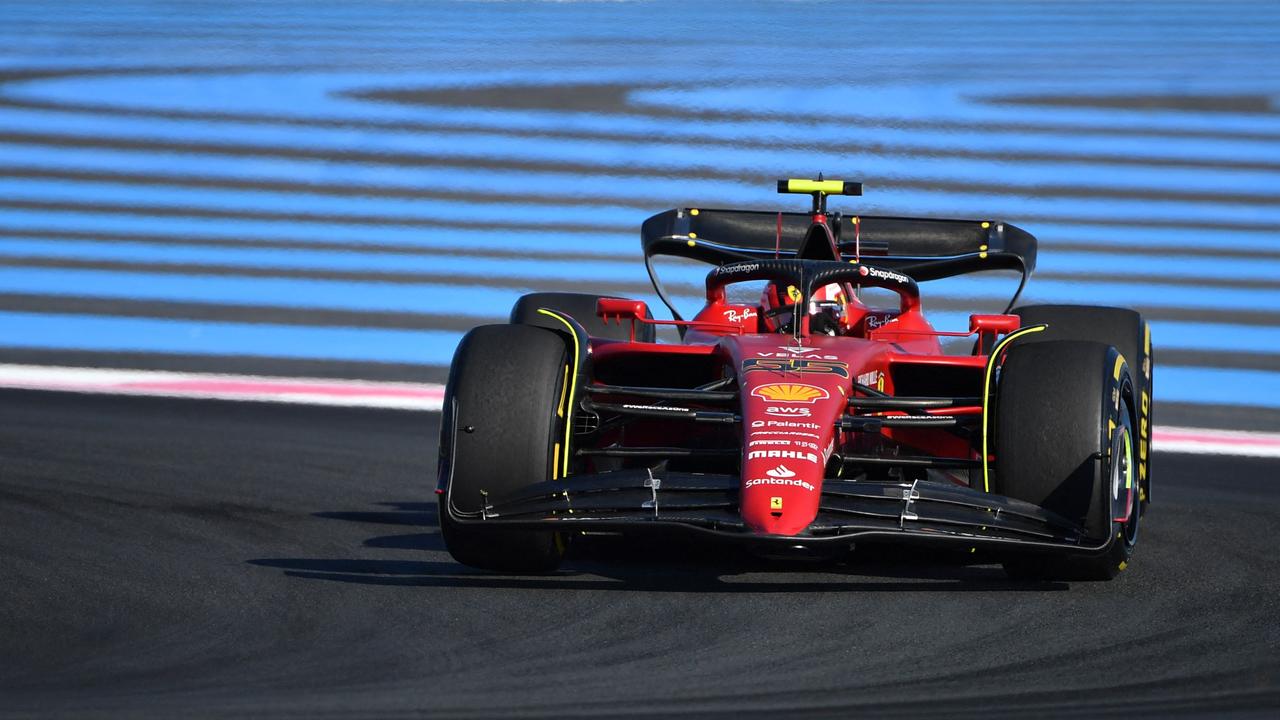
x=610, y=563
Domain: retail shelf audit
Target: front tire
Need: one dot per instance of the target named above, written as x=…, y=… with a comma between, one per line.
x=503, y=421
x=1063, y=430
x=1128, y=332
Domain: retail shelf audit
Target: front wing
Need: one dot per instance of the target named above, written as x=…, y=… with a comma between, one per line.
x=706, y=504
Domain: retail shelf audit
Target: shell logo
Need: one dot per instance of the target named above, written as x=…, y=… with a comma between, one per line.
x=790, y=393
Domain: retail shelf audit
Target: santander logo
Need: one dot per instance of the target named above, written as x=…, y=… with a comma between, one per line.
x=782, y=471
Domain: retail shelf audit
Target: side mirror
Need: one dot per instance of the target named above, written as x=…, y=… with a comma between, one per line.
x=990, y=327
x=622, y=309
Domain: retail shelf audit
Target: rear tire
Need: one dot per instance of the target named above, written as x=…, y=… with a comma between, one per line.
x=502, y=420
x=1129, y=333
x=580, y=307
x=1063, y=430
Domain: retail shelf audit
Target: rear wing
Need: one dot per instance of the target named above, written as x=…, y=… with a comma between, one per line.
x=925, y=248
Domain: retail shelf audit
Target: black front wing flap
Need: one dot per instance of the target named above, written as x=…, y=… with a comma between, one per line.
x=707, y=504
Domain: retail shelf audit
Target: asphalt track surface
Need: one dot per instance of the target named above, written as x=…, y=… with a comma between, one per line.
x=177, y=558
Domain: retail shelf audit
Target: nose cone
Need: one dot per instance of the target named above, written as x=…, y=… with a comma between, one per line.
x=782, y=499
x=788, y=429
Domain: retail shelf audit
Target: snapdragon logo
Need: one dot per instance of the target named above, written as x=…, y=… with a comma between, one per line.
x=883, y=274
x=738, y=268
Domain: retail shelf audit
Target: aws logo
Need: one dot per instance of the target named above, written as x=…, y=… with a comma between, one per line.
x=783, y=411
x=797, y=365
x=791, y=393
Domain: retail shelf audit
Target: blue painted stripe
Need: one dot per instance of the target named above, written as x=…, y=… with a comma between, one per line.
x=953, y=102
x=463, y=300
x=168, y=196
x=624, y=155
x=604, y=271
x=321, y=95
x=372, y=178
x=1217, y=386
x=889, y=201
x=1151, y=293
x=1115, y=236
x=108, y=334
x=476, y=301
x=455, y=265
x=533, y=242
x=1188, y=267
x=687, y=133
x=479, y=300
x=607, y=243
x=283, y=292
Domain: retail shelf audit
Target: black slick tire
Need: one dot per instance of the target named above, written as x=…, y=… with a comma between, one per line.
x=1128, y=332
x=503, y=417
x=1063, y=432
x=580, y=307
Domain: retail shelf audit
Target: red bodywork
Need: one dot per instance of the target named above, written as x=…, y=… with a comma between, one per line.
x=793, y=393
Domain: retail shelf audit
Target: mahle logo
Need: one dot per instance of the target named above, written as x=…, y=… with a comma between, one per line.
x=783, y=455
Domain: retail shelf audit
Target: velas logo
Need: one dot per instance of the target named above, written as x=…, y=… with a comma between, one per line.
x=782, y=471
x=791, y=393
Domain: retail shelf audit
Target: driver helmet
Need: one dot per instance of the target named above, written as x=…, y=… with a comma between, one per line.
x=828, y=307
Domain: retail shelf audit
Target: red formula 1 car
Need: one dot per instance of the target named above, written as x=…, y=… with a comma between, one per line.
x=808, y=422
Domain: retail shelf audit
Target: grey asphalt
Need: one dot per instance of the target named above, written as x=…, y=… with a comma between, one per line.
x=166, y=558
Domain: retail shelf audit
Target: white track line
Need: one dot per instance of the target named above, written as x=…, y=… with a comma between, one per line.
x=429, y=397
x=1215, y=442
x=307, y=391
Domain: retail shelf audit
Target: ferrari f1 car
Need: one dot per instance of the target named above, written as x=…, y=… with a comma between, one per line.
x=809, y=422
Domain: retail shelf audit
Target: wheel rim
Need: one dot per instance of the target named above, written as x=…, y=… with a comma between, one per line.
x=1124, y=484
